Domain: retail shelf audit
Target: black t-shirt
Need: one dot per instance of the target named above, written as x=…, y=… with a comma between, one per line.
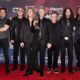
x=67, y=28
x=7, y=22
x=56, y=32
x=4, y=34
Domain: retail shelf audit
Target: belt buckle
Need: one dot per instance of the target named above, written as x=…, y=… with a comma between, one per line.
x=66, y=38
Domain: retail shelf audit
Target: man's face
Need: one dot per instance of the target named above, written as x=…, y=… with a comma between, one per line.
x=2, y=13
x=68, y=13
x=41, y=12
x=78, y=11
x=54, y=17
x=30, y=13
x=20, y=12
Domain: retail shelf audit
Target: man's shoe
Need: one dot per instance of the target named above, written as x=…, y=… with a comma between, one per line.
x=48, y=70
x=28, y=72
x=62, y=70
x=14, y=68
x=56, y=70
x=22, y=69
x=7, y=71
x=71, y=71
x=37, y=69
x=41, y=73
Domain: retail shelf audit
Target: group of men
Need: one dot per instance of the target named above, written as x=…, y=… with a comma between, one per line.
x=32, y=36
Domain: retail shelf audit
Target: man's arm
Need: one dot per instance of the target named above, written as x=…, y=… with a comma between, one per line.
x=5, y=28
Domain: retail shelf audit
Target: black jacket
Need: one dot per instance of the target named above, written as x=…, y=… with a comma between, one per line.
x=56, y=32
x=67, y=30
x=16, y=26
x=44, y=26
x=4, y=34
x=77, y=30
x=27, y=32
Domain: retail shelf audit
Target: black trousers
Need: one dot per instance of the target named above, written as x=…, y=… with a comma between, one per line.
x=77, y=51
x=16, y=50
x=69, y=45
x=53, y=54
x=41, y=48
x=28, y=50
x=4, y=44
x=30, y=57
x=36, y=61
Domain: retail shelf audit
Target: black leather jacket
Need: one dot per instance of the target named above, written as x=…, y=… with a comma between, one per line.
x=16, y=26
x=67, y=30
x=77, y=31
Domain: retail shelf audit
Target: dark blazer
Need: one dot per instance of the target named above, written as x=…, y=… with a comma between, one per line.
x=45, y=32
x=27, y=32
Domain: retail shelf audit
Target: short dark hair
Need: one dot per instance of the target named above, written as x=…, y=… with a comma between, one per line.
x=54, y=12
x=4, y=10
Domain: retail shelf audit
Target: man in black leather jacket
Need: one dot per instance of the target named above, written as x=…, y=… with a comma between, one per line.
x=67, y=39
x=77, y=37
x=17, y=23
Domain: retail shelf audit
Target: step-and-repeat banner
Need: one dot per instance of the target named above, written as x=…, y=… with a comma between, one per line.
x=57, y=5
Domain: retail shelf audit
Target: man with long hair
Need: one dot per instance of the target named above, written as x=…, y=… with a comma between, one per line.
x=77, y=37
x=67, y=39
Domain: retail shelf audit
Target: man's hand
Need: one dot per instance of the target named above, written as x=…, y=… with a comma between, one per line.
x=35, y=22
x=12, y=41
x=22, y=44
x=49, y=45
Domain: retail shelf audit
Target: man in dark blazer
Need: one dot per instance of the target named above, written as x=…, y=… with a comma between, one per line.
x=41, y=38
